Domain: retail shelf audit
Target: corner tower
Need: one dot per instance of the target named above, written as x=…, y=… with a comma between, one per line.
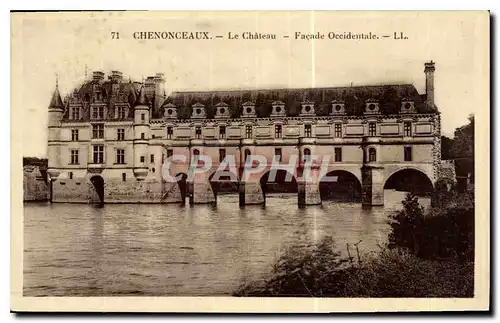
x=56, y=111
x=142, y=133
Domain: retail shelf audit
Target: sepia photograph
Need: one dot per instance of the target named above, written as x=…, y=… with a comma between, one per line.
x=322, y=161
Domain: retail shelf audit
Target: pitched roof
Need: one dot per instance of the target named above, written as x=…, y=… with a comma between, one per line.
x=355, y=97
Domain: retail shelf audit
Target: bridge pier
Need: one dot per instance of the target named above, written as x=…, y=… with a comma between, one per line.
x=200, y=191
x=372, y=185
x=251, y=193
x=308, y=186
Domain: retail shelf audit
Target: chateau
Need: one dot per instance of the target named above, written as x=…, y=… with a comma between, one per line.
x=109, y=138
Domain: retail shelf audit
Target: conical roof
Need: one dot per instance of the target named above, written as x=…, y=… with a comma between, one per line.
x=141, y=98
x=56, y=102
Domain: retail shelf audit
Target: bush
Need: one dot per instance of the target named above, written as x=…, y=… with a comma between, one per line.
x=443, y=233
x=429, y=255
x=321, y=272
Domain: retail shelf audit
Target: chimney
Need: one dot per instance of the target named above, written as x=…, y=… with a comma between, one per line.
x=98, y=76
x=116, y=76
x=429, y=83
x=159, y=89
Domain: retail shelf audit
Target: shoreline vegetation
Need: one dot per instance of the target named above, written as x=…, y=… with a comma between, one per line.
x=429, y=253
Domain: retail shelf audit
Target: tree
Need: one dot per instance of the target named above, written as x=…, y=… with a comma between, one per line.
x=462, y=150
x=446, y=147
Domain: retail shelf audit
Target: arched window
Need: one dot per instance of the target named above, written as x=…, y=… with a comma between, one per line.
x=196, y=153
x=307, y=154
x=372, y=155
x=247, y=153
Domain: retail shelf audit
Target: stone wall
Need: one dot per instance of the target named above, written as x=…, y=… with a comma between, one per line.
x=35, y=187
x=81, y=190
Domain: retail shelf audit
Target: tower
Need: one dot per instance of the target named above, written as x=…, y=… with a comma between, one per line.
x=56, y=110
x=142, y=133
x=429, y=83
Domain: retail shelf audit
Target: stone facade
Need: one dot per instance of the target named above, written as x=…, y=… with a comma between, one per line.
x=120, y=133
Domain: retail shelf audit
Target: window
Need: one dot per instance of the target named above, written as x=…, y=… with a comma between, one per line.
x=70, y=175
x=307, y=154
x=122, y=113
x=143, y=136
x=124, y=177
x=98, y=112
x=196, y=154
x=338, y=154
x=74, y=157
x=277, y=154
x=170, y=152
x=143, y=117
x=120, y=156
x=247, y=153
x=120, y=134
x=170, y=132
x=408, y=153
x=142, y=159
x=153, y=136
x=222, y=131
x=407, y=129
x=338, y=130
x=248, y=131
x=198, y=132
x=277, y=131
x=372, y=129
x=153, y=169
x=307, y=130
x=152, y=158
x=97, y=131
x=75, y=113
x=98, y=154
x=74, y=135
x=372, y=155
x=222, y=155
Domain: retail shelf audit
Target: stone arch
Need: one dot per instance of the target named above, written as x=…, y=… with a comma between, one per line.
x=410, y=179
x=339, y=184
x=223, y=183
x=97, y=191
x=283, y=182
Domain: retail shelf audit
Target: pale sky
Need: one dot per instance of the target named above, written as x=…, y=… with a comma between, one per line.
x=46, y=44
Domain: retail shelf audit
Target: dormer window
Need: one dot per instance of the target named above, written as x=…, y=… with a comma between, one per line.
x=338, y=108
x=222, y=110
x=198, y=111
x=248, y=110
x=122, y=113
x=170, y=111
x=372, y=106
x=98, y=112
x=278, y=109
x=307, y=108
x=75, y=113
x=407, y=106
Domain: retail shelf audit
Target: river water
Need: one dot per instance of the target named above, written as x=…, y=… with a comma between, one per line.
x=158, y=250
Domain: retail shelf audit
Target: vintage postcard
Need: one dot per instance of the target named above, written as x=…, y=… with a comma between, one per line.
x=250, y=161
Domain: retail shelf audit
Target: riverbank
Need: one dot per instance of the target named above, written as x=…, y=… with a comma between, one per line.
x=430, y=253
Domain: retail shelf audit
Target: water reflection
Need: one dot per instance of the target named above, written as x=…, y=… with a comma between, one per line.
x=174, y=250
